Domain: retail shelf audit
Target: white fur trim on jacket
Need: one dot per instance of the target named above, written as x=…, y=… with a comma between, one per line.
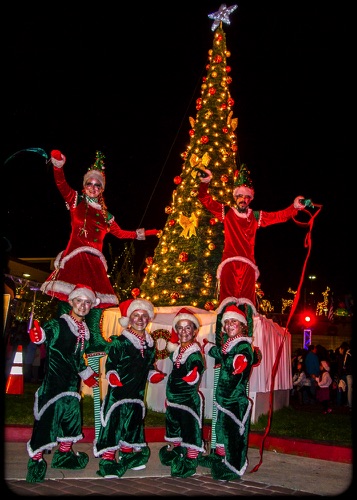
x=58, y=163
x=232, y=259
x=297, y=204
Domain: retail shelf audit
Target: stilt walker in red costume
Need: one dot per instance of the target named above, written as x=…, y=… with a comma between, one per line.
x=82, y=261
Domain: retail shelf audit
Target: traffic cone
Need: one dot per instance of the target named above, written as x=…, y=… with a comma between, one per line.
x=15, y=381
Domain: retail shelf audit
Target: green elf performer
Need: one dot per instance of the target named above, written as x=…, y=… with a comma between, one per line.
x=236, y=358
x=57, y=409
x=129, y=366
x=184, y=402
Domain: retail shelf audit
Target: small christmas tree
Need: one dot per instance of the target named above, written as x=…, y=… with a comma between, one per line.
x=183, y=268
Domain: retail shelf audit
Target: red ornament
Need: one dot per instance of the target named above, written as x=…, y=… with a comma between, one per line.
x=135, y=292
x=204, y=139
x=228, y=69
x=212, y=91
x=149, y=261
x=223, y=105
x=218, y=59
x=207, y=67
x=234, y=147
x=225, y=130
x=229, y=80
x=230, y=102
x=224, y=178
x=183, y=257
x=145, y=270
x=213, y=221
x=209, y=306
x=177, y=180
x=204, y=79
x=192, y=132
x=219, y=37
x=199, y=101
x=172, y=222
x=175, y=295
x=168, y=210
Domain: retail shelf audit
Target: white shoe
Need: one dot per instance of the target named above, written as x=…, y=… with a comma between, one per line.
x=139, y=467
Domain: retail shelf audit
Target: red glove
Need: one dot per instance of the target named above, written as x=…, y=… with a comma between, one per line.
x=36, y=334
x=56, y=154
x=240, y=363
x=156, y=378
x=114, y=380
x=151, y=232
x=257, y=356
x=191, y=376
x=92, y=381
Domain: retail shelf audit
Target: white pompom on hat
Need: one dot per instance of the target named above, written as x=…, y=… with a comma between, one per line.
x=233, y=312
x=129, y=306
x=84, y=291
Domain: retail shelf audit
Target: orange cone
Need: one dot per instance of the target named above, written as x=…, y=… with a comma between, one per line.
x=15, y=381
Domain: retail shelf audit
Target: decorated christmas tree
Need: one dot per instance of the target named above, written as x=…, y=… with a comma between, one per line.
x=183, y=268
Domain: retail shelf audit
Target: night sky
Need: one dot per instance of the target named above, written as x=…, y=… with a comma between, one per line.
x=124, y=80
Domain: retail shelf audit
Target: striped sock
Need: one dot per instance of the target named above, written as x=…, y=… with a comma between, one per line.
x=176, y=443
x=38, y=456
x=108, y=455
x=220, y=451
x=126, y=449
x=191, y=453
x=64, y=447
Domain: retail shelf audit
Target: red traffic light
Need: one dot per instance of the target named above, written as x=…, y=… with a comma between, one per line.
x=308, y=319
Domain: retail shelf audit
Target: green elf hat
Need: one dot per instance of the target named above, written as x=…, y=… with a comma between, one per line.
x=242, y=182
x=97, y=170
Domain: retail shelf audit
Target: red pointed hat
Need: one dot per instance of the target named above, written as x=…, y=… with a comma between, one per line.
x=232, y=312
x=86, y=291
x=129, y=306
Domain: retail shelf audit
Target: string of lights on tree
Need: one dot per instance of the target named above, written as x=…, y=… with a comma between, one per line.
x=182, y=270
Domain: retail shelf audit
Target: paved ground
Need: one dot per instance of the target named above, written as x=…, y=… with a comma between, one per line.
x=279, y=474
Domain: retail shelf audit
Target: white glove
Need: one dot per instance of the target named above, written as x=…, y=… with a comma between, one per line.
x=297, y=202
x=208, y=178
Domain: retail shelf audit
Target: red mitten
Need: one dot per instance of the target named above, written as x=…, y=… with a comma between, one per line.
x=114, y=380
x=36, y=334
x=92, y=381
x=257, y=356
x=151, y=232
x=57, y=158
x=240, y=363
x=156, y=378
x=56, y=154
x=191, y=376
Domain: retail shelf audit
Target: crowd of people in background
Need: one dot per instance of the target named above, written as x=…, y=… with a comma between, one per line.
x=323, y=376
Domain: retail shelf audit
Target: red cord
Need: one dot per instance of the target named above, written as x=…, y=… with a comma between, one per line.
x=307, y=244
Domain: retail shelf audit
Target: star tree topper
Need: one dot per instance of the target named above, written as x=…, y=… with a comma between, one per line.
x=222, y=15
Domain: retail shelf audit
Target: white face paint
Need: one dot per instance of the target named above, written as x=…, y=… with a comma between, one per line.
x=139, y=319
x=80, y=307
x=92, y=187
x=186, y=330
x=233, y=327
